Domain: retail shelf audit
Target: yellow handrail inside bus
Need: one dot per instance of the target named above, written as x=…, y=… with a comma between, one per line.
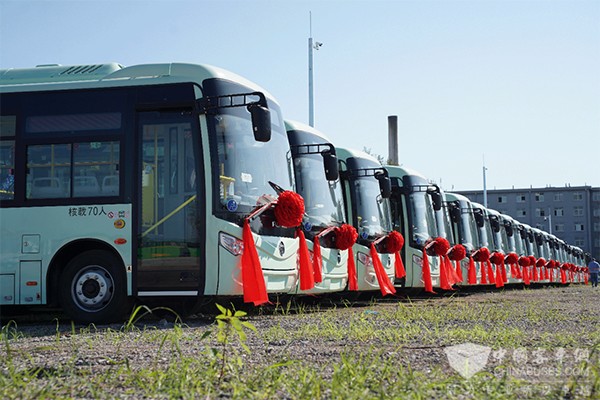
x=169, y=215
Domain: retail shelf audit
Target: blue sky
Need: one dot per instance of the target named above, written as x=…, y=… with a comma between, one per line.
x=516, y=83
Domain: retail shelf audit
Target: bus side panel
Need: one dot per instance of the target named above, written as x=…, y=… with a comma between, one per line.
x=32, y=236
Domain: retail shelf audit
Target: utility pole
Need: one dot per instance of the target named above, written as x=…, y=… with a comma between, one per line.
x=484, y=185
x=316, y=46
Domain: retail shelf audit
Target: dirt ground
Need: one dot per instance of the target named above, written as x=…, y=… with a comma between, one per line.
x=538, y=334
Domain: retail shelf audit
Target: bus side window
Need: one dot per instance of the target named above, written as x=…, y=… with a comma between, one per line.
x=48, y=171
x=7, y=168
x=94, y=170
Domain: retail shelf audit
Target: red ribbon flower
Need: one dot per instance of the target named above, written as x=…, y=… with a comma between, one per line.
x=289, y=209
x=440, y=246
x=457, y=252
x=345, y=237
x=511, y=258
x=481, y=255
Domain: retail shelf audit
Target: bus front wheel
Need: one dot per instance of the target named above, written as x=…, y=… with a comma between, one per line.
x=92, y=288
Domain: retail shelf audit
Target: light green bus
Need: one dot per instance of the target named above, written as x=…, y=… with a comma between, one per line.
x=316, y=175
x=134, y=182
x=367, y=190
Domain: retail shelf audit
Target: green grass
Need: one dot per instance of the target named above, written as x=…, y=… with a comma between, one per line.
x=369, y=356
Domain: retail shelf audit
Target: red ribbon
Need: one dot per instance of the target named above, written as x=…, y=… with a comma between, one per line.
x=352, y=278
x=345, y=237
x=456, y=254
x=400, y=270
x=563, y=276
x=483, y=273
x=472, y=272
x=385, y=285
x=526, y=275
x=499, y=279
x=458, y=271
x=395, y=242
x=490, y=271
x=253, y=280
x=483, y=256
x=426, y=273
x=453, y=277
x=317, y=258
x=514, y=272
x=444, y=280
x=307, y=277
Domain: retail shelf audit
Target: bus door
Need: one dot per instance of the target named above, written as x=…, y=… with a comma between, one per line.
x=170, y=255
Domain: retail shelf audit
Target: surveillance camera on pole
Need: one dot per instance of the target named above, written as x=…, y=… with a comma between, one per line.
x=311, y=46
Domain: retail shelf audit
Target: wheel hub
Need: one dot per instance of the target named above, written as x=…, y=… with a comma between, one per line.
x=93, y=288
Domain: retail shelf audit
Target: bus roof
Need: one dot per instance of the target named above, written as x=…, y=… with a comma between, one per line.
x=56, y=73
x=299, y=126
x=345, y=153
x=455, y=196
x=399, y=171
x=57, y=77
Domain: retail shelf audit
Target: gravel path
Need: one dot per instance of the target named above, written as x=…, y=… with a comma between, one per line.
x=531, y=331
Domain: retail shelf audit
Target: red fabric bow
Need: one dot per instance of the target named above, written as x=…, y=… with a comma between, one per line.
x=289, y=209
x=345, y=237
x=253, y=280
x=456, y=254
x=472, y=272
x=385, y=285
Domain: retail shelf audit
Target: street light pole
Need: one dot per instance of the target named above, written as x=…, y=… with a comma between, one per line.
x=311, y=46
x=484, y=185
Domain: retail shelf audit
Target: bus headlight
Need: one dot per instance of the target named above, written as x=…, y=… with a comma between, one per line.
x=365, y=259
x=232, y=244
x=417, y=260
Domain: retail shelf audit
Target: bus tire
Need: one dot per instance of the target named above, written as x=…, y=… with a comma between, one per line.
x=92, y=288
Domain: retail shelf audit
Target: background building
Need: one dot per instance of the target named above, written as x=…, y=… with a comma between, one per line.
x=570, y=213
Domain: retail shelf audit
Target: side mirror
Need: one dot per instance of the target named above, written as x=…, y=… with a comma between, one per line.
x=454, y=212
x=330, y=163
x=479, y=218
x=261, y=122
x=385, y=185
x=495, y=224
x=436, y=198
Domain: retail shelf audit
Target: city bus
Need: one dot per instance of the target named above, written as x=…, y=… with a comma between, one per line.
x=316, y=176
x=414, y=204
x=367, y=188
x=135, y=182
x=466, y=231
x=501, y=246
x=513, y=250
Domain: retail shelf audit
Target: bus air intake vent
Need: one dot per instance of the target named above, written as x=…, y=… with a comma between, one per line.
x=81, y=69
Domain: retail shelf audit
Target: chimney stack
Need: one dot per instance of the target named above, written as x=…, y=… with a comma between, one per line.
x=393, y=140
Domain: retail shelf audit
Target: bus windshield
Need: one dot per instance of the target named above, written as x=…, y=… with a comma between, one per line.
x=322, y=198
x=444, y=224
x=467, y=226
x=421, y=217
x=243, y=167
x=372, y=211
x=486, y=233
